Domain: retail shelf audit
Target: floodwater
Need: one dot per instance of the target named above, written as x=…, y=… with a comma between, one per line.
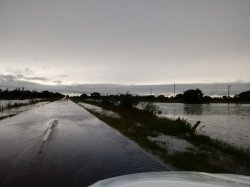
x=61, y=144
x=17, y=110
x=4, y=103
x=228, y=122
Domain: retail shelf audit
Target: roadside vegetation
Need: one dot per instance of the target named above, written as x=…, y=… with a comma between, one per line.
x=189, y=96
x=142, y=125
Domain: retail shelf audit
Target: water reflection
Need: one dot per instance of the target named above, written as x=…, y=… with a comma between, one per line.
x=228, y=109
x=226, y=121
x=195, y=109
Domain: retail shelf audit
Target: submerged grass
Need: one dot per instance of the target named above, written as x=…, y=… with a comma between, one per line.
x=210, y=155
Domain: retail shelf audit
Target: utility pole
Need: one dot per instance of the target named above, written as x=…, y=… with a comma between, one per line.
x=174, y=89
x=228, y=91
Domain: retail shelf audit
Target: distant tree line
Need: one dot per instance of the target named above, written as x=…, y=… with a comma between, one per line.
x=188, y=96
x=27, y=94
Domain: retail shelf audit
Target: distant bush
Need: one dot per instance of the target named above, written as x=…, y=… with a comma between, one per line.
x=193, y=96
x=179, y=96
x=95, y=95
x=127, y=101
x=244, y=96
x=150, y=97
x=84, y=96
x=207, y=98
x=150, y=108
x=161, y=97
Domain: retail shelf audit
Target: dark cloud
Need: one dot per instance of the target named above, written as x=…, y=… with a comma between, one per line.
x=28, y=71
x=57, y=82
x=7, y=78
x=18, y=77
x=63, y=75
x=43, y=79
x=19, y=71
x=127, y=42
x=21, y=80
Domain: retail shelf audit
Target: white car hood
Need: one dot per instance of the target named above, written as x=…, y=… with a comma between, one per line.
x=175, y=179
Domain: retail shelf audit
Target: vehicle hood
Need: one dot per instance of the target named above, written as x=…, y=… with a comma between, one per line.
x=175, y=179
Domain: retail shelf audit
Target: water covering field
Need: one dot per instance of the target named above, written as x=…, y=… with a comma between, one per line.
x=4, y=103
x=228, y=122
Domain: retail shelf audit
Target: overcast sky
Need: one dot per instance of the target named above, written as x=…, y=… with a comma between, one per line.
x=125, y=41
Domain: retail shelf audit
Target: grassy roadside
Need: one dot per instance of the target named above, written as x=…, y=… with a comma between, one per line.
x=208, y=155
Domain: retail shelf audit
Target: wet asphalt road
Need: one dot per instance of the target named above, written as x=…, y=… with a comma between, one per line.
x=61, y=144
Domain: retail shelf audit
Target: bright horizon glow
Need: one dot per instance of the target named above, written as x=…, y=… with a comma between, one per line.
x=68, y=83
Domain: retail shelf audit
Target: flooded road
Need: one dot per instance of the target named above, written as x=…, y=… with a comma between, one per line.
x=61, y=144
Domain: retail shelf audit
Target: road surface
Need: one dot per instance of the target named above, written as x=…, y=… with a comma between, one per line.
x=61, y=144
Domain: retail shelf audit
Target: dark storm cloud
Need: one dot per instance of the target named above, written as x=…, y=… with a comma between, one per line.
x=7, y=78
x=25, y=74
x=57, y=82
x=19, y=71
x=126, y=41
x=20, y=76
x=63, y=75
x=36, y=79
x=22, y=79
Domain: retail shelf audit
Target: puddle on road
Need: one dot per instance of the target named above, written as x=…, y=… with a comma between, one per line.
x=17, y=110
